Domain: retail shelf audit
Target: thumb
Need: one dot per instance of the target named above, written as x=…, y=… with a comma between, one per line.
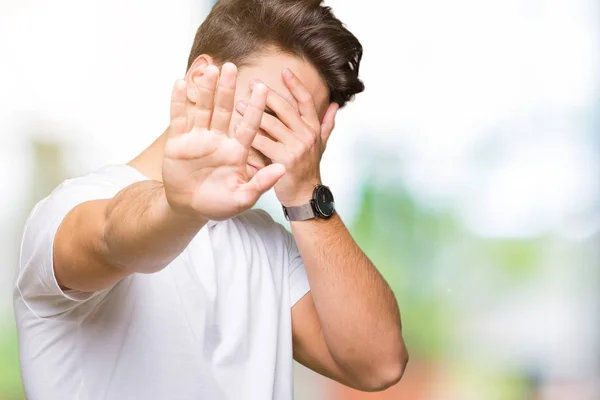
x=264, y=180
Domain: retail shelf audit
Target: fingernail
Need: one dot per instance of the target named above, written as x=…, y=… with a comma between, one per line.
x=253, y=83
x=241, y=106
x=287, y=73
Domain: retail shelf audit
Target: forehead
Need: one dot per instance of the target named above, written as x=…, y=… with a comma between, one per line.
x=268, y=69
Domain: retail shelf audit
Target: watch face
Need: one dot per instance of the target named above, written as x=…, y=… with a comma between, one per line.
x=324, y=201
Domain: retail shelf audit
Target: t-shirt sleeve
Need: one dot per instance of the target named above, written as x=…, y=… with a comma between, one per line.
x=299, y=285
x=36, y=282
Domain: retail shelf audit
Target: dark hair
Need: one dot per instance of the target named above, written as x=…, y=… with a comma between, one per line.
x=235, y=30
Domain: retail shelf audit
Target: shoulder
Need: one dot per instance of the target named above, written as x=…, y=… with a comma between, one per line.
x=100, y=184
x=49, y=212
x=36, y=283
x=110, y=177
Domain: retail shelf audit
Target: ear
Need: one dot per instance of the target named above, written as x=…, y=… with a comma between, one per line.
x=195, y=72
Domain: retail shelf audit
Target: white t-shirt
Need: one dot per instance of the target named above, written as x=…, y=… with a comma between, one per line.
x=214, y=324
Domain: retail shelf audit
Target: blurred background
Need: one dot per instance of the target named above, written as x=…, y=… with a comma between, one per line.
x=469, y=170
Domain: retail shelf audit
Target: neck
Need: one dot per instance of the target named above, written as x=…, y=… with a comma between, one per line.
x=149, y=162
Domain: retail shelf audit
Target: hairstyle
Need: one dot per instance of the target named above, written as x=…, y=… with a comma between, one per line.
x=236, y=30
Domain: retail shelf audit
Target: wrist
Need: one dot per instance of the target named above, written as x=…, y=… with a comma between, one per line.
x=302, y=195
x=179, y=215
x=321, y=205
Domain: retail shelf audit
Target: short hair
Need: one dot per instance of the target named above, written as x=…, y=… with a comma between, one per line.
x=236, y=30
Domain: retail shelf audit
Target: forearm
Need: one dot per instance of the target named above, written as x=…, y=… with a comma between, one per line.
x=357, y=310
x=141, y=233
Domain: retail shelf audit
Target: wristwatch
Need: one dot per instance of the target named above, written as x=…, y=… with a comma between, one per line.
x=321, y=205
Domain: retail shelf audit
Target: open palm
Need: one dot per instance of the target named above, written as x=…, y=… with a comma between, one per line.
x=204, y=166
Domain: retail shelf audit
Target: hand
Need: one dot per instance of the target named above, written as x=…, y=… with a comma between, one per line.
x=299, y=140
x=204, y=166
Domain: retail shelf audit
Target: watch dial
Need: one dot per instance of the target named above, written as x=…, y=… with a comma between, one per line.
x=324, y=201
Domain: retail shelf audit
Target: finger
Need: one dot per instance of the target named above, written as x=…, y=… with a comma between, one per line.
x=329, y=122
x=264, y=180
x=306, y=103
x=224, y=98
x=269, y=148
x=178, y=113
x=201, y=111
x=271, y=125
x=250, y=123
x=286, y=113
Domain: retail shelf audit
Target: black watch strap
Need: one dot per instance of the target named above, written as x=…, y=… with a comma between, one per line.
x=299, y=213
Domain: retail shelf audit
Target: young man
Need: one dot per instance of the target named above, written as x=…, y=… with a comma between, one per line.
x=155, y=279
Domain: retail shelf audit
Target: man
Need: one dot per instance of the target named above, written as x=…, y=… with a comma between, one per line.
x=156, y=280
